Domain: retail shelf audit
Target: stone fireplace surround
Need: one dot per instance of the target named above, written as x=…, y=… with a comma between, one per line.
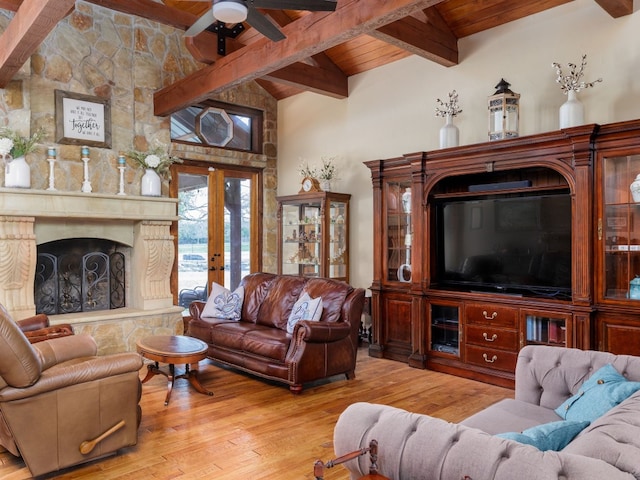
x=32, y=217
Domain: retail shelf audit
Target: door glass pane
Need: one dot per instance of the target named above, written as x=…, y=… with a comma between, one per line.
x=193, y=212
x=237, y=230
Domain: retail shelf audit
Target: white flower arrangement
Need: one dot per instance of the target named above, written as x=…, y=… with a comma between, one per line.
x=306, y=171
x=328, y=171
x=157, y=159
x=449, y=108
x=11, y=143
x=572, y=82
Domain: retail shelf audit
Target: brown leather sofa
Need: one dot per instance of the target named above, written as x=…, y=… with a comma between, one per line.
x=60, y=404
x=259, y=343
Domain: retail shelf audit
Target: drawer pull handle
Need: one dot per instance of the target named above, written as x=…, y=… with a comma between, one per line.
x=489, y=317
x=486, y=358
x=493, y=338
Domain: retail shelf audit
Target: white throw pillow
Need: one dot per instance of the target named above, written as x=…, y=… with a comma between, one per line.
x=222, y=303
x=306, y=308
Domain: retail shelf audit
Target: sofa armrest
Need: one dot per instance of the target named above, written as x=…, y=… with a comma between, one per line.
x=411, y=445
x=84, y=370
x=321, y=332
x=195, y=309
x=35, y=322
x=52, y=352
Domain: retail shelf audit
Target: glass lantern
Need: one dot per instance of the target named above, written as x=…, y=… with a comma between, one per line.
x=504, y=112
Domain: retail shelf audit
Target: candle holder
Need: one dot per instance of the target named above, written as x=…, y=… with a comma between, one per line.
x=86, y=184
x=121, y=166
x=51, y=158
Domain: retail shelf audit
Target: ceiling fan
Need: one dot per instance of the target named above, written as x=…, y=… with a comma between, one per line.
x=235, y=12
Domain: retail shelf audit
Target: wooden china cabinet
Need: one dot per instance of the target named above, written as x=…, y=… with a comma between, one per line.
x=617, y=239
x=313, y=235
x=533, y=240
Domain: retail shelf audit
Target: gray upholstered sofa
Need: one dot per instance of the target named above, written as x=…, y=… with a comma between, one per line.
x=415, y=446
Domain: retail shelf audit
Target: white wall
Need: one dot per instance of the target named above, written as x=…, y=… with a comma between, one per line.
x=390, y=110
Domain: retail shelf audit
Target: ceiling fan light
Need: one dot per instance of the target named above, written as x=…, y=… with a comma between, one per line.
x=230, y=12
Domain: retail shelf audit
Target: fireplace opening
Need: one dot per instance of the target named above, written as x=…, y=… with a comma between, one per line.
x=80, y=275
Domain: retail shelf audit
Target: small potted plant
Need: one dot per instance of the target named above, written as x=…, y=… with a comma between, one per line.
x=156, y=163
x=572, y=111
x=449, y=134
x=13, y=148
x=327, y=172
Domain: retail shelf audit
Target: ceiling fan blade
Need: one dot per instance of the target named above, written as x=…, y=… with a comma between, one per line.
x=265, y=26
x=309, y=5
x=201, y=24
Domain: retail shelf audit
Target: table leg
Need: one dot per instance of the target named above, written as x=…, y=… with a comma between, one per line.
x=170, y=379
x=192, y=376
x=152, y=371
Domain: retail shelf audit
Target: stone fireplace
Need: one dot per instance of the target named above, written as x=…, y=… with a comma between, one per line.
x=33, y=217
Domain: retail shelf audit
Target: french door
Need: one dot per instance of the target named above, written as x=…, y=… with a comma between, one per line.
x=217, y=233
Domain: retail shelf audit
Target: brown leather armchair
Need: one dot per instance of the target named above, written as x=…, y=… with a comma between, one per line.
x=60, y=404
x=38, y=328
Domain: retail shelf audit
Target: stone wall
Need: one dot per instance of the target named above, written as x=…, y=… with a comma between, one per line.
x=124, y=58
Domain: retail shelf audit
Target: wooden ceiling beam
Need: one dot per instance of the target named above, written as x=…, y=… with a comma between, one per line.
x=156, y=12
x=31, y=24
x=331, y=82
x=307, y=36
x=11, y=5
x=431, y=39
x=617, y=8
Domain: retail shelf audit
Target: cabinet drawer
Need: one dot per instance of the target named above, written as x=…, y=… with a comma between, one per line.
x=490, y=358
x=491, y=315
x=489, y=336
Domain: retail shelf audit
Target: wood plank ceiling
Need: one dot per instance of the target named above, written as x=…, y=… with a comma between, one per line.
x=321, y=51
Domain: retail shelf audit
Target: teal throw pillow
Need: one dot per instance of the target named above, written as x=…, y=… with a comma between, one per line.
x=548, y=436
x=605, y=389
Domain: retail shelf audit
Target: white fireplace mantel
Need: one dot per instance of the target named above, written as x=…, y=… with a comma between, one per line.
x=31, y=217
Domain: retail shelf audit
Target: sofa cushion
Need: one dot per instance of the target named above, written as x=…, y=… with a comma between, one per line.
x=333, y=294
x=510, y=415
x=268, y=342
x=305, y=308
x=224, y=303
x=231, y=334
x=613, y=438
x=548, y=436
x=605, y=389
x=277, y=305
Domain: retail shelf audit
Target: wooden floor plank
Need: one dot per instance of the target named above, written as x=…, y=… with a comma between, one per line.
x=256, y=429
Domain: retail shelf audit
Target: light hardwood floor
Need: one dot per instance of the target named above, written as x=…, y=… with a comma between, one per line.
x=252, y=429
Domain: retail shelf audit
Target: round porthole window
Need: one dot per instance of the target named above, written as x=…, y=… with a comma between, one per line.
x=214, y=127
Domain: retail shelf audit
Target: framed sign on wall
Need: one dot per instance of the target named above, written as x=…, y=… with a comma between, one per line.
x=82, y=119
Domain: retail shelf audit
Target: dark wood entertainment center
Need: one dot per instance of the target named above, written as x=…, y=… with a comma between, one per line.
x=475, y=327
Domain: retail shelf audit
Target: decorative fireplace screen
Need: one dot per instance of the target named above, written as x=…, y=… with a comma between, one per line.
x=79, y=275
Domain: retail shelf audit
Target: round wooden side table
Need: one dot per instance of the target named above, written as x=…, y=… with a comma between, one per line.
x=173, y=349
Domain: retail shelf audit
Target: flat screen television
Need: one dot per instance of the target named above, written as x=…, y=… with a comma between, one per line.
x=518, y=245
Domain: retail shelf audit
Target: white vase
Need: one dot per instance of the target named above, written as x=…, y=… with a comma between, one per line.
x=17, y=173
x=635, y=189
x=571, y=111
x=449, y=134
x=325, y=185
x=150, y=184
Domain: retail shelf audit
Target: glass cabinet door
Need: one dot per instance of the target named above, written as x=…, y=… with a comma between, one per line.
x=397, y=197
x=619, y=228
x=301, y=240
x=541, y=328
x=338, y=240
x=444, y=320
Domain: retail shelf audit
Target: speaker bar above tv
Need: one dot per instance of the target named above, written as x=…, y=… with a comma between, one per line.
x=489, y=187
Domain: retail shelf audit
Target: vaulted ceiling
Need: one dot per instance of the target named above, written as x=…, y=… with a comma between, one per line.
x=321, y=49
